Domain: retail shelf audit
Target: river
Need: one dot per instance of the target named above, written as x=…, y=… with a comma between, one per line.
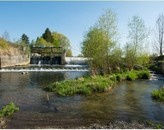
x=128, y=100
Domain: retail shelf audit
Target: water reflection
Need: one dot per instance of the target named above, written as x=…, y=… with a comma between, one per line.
x=126, y=101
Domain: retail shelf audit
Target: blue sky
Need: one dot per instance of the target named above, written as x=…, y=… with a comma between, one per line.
x=72, y=19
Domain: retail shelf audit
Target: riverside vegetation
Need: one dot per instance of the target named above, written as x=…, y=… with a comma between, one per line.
x=89, y=84
x=158, y=94
x=6, y=111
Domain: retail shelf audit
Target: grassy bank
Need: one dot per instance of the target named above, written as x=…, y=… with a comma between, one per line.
x=5, y=112
x=89, y=85
x=8, y=110
x=158, y=94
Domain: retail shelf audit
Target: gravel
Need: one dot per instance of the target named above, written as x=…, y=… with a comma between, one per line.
x=125, y=125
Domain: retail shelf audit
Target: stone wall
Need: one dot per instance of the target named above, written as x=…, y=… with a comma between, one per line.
x=13, y=60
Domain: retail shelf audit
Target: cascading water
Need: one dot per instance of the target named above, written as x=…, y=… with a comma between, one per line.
x=39, y=63
x=48, y=68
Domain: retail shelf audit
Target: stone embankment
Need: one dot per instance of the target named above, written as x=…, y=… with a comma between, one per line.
x=10, y=60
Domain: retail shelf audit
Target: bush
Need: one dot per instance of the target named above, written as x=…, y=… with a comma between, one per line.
x=158, y=94
x=3, y=43
x=131, y=76
x=8, y=110
x=143, y=74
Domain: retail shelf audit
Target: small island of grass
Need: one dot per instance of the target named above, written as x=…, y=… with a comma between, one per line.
x=8, y=110
x=90, y=84
x=158, y=94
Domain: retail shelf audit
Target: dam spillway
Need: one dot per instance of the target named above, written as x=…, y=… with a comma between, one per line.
x=37, y=68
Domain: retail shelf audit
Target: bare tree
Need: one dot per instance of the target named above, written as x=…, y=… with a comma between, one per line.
x=6, y=36
x=159, y=33
x=138, y=34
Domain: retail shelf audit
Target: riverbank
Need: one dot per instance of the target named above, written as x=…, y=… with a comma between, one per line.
x=94, y=84
x=118, y=124
x=126, y=125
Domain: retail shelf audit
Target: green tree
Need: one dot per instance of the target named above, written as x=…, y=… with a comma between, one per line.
x=68, y=53
x=47, y=35
x=99, y=43
x=95, y=47
x=60, y=40
x=25, y=39
x=41, y=42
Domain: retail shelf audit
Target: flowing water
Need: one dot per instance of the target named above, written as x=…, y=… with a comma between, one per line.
x=127, y=101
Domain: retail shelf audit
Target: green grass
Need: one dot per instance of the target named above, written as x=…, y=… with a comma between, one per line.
x=96, y=84
x=84, y=86
x=158, y=94
x=141, y=74
x=8, y=110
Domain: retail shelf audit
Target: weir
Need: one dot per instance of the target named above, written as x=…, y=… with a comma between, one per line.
x=50, y=68
x=47, y=55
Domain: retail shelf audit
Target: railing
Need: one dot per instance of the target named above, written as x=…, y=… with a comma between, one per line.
x=47, y=50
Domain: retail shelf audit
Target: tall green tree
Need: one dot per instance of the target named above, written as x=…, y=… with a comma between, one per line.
x=25, y=39
x=99, y=43
x=95, y=47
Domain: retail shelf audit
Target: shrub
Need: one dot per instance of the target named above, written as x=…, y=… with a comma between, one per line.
x=143, y=74
x=158, y=94
x=3, y=43
x=131, y=76
x=8, y=110
x=113, y=77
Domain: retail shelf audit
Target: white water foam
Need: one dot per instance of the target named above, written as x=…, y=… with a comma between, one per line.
x=46, y=70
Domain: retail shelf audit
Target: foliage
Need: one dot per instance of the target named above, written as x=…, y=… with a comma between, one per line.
x=141, y=74
x=60, y=40
x=40, y=42
x=25, y=39
x=158, y=94
x=52, y=39
x=47, y=36
x=131, y=76
x=115, y=58
x=3, y=44
x=95, y=46
x=88, y=85
x=84, y=86
x=108, y=22
x=68, y=53
x=134, y=54
x=99, y=42
x=8, y=110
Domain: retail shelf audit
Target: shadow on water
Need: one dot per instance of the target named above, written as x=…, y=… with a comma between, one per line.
x=39, y=109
